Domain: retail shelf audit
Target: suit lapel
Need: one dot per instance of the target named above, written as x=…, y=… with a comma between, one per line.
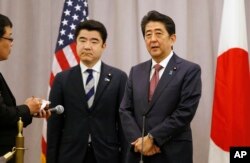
x=77, y=85
x=144, y=81
x=104, y=80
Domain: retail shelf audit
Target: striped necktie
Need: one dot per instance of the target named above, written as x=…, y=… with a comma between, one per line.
x=154, y=81
x=90, y=87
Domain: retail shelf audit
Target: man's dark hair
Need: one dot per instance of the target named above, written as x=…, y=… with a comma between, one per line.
x=155, y=16
x=92, y=25
x=4, y=22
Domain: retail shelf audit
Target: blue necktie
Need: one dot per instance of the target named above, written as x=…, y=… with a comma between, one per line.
x=90, y=87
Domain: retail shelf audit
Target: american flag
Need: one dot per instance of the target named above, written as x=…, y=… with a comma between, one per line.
x=74, y=11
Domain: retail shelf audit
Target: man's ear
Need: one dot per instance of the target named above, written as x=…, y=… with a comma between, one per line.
x=173, y=39
x=104, y=45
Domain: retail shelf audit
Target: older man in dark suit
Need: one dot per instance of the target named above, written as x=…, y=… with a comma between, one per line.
x=89, y=129
x=161, y=98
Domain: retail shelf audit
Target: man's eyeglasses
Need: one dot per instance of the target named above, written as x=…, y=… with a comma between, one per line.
x=10, y=39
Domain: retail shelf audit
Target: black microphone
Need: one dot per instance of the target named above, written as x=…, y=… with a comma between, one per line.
x=59, y=109
x=142, y=135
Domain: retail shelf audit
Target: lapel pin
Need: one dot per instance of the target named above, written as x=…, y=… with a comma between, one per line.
x=171, y=71
x=106, y=79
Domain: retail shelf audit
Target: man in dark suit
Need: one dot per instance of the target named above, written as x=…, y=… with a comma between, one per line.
x=9, y=111
x=161, y=98
x=89, y=129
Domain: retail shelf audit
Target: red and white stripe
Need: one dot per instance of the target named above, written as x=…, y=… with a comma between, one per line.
x=231, y=106
x=62, y=60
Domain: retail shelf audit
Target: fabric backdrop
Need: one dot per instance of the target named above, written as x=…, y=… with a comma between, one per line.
x=36, y=24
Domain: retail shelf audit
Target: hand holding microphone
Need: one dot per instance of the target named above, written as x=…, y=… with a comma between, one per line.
x=59, y=109
x=45, y=111
x=33, y=104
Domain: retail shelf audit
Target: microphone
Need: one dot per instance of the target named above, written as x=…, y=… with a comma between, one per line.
x=59, y=109
x=142, y=135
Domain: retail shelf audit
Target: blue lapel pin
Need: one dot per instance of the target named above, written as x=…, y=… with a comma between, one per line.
x=171, y=71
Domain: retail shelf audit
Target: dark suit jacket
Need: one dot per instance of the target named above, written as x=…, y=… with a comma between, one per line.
x=173, y=106
x=9, y=115
x=67, y=136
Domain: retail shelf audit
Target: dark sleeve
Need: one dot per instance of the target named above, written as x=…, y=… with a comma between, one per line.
x=9, y=115
x=55, y=122
x=123, y=141
x=127, y=112
x=123, y=81
x=24, y=112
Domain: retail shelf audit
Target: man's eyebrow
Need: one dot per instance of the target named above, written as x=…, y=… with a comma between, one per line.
x=95, y=39
x=157, y=29
x=82, y=37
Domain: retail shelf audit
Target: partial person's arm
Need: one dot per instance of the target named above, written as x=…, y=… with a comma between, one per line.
x=130, y=127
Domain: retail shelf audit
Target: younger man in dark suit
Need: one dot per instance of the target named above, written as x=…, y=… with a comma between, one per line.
x=89, y=130
x=167, y=106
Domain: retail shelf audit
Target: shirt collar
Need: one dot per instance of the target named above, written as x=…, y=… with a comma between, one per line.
x=164, y=62
x=96, y=67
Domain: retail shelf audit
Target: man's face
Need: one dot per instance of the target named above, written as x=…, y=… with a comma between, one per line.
x=5, y=43
x=158, y=41
x=89, y=47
